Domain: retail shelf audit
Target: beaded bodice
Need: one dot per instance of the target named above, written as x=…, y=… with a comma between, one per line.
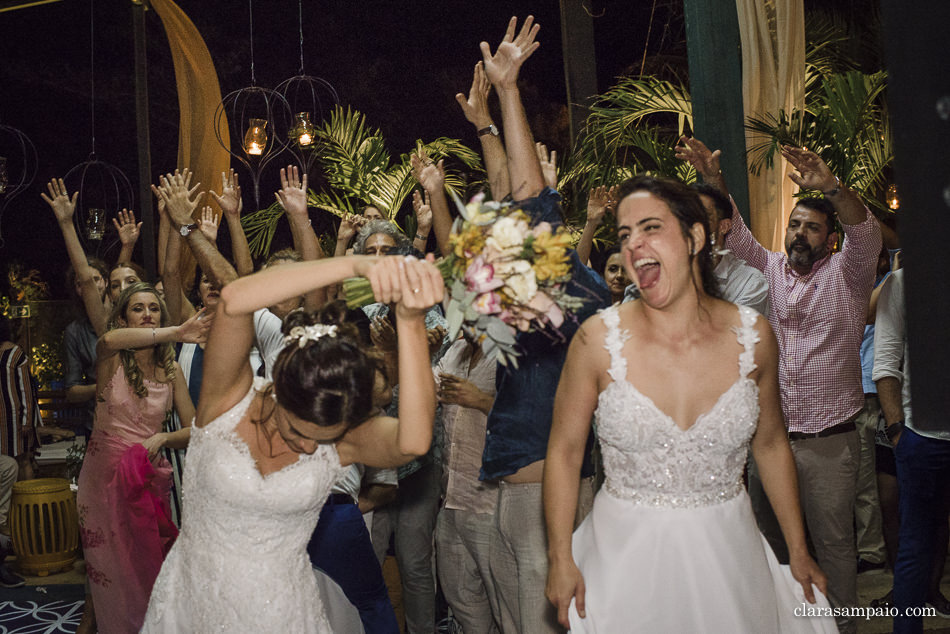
x=648, y=459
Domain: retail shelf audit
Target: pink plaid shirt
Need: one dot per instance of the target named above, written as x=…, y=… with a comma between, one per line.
x=819, y=322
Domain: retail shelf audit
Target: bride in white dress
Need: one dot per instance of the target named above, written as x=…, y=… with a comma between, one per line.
x=263, y=457
x=680, y=383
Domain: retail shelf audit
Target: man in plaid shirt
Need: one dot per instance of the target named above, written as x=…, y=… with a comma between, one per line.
x=817, y=307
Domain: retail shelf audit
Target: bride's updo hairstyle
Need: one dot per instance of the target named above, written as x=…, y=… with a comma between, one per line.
x=323, y=374
x=685, y=205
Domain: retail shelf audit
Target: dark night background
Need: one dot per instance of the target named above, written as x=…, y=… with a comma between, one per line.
x=399, y=63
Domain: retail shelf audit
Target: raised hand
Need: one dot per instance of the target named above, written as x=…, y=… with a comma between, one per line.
x=423, y=212
x=475, y=107
x=502, y=68
x=230, y=198
x=195, y=329
x=430, y=175
x=180, y=201
x=208, y=224
x=292, y=195
x=127, y=227
x=813, y=172
x=548, y=164
x=59, y=201
x=348, y=227
x=695, y=152
x=599, y=202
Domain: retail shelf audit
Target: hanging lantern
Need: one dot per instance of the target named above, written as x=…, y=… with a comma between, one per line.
x=302, y=132
x=893, y=200
x=255, y=139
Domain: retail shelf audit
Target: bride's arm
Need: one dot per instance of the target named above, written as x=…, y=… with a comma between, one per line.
x=573, y=407
x=776, y=464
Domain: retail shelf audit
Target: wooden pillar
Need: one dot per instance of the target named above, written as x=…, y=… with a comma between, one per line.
x=918, y=95
x=715, y=84
x=580, y=65
x=143, y=142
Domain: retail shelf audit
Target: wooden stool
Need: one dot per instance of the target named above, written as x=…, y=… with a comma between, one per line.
x=44, y=526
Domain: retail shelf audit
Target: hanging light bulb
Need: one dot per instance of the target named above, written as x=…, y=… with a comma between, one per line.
x=255, y=139
x=302, y=132
x=893, y=200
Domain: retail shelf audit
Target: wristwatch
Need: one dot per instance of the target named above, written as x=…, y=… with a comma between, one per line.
x=892, y=430
x=184, y=230
x=491, y=129
x=837, y=188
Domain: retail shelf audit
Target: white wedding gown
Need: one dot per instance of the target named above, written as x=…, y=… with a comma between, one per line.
x=671, y=544
x=240, y=563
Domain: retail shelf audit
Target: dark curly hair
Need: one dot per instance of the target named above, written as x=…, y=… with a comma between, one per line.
x=685, y=205
x=327, y=381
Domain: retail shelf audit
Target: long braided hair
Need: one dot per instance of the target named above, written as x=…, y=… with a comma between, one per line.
x=163, y=353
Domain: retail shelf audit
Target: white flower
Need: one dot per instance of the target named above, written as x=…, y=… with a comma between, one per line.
x=508, y=232
x=519, y=278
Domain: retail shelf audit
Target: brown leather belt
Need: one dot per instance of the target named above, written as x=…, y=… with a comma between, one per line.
x=840, y=428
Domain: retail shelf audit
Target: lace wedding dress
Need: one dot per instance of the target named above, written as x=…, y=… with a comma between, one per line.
x=671, y=544
x=240, y=563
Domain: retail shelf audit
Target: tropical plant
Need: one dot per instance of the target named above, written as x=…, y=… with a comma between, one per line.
x=360, y=171
x=845, y=122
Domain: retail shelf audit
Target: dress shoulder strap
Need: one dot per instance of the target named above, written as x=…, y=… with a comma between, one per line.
x=748, y=337
x=613, y=342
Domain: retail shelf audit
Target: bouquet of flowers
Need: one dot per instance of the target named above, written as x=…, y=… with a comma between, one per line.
x=503, y=275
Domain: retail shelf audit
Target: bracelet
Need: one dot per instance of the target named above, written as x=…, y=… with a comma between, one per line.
x=421, y=237
x=893, y=429
x=153, y=336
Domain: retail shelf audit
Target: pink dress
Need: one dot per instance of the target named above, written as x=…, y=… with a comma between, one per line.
x=124, y=517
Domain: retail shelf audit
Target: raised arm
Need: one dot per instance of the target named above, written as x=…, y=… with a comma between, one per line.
x=292, y=196
x=599, y=201
x=231, y=204
x=180, y=204
x=432, y=178
x=475, y=109
x=128, y=233
x=63, y=208
x=423, y=212
x=574, y=406
x=814, y=173
x=194, y=330
x=179, y=308
x=773, y=456
x=415, y=285
x=548, y=161
x=704, y=161
x=502, y=69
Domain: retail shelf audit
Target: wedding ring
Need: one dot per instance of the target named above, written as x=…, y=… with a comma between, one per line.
x=415, y=290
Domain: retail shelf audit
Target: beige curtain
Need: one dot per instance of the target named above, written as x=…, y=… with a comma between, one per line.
x=198, y=97
x=773, y=78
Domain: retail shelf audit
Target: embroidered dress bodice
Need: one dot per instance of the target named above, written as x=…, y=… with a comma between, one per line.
x=240, y=562
x=648, y=459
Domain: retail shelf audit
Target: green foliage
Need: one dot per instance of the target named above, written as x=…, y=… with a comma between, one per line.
x=360, y=171
x=845, y=122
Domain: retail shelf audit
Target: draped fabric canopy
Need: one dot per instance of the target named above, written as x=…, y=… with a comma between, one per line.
x=772, y=33
x=199, y=94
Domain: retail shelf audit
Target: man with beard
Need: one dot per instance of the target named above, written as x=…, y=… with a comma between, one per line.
x=817, y=307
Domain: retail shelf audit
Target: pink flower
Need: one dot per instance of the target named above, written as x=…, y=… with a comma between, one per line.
x=541, y=228
x=544, y=305
x=487, y=303
x=480, y=276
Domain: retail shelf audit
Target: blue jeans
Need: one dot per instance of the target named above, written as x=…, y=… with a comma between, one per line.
x=340, y=546
x=923, y=475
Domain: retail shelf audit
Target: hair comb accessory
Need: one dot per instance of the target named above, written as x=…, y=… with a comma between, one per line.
x=305, y=334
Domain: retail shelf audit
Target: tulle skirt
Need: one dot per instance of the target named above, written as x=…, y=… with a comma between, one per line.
x=704, y=569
